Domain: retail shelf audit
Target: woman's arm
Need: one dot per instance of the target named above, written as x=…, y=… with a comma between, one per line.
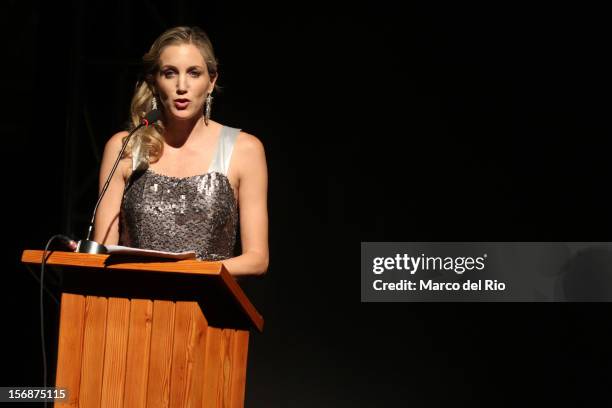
x=253, y=204
x=106, y=226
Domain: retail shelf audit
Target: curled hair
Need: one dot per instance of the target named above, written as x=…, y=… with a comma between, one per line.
x=149, y=140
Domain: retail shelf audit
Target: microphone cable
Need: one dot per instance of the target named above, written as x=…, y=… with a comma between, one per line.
x=65, y=240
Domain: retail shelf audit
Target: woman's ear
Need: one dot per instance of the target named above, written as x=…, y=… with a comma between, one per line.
x=213, y=81
x=152, y=88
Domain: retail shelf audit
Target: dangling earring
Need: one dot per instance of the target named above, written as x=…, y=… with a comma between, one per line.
x=154, y=103
x=207, y=108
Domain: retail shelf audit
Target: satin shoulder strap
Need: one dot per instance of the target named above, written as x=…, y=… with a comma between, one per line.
x=225, y=147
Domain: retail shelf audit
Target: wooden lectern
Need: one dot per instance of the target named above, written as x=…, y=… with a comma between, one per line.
x=138, y=332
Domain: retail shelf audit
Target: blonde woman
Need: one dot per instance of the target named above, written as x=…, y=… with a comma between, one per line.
x=188, y=181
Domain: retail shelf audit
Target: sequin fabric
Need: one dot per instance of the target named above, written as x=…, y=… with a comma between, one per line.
x=198, y=213
x=167, y=213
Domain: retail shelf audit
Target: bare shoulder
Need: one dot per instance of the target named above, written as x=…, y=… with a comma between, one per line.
x=111, y=151
x=114, y=143
x=250, y=155
x=247, y=144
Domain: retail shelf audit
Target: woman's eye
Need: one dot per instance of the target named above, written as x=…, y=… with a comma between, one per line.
x=195, y=74
x=168, y=74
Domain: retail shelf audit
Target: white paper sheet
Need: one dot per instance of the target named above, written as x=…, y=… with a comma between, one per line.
x=118, y=249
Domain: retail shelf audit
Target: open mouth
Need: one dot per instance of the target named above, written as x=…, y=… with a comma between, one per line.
x=181, y=103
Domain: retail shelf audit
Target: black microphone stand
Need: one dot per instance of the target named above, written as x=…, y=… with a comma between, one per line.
x=87, y=246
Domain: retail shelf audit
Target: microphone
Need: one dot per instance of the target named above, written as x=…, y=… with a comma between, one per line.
x=87, y=246
x=151, y=117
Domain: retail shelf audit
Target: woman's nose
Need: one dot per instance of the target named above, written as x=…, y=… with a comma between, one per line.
x=181, y=86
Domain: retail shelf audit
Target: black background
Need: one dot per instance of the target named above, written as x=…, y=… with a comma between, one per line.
x=422, y=125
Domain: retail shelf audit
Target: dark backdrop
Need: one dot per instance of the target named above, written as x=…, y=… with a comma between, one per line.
x=452, y=124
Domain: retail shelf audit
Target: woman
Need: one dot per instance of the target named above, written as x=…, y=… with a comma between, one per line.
x=183, y=182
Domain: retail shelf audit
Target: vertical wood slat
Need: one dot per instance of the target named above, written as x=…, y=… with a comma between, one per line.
x=179, y=365
x=187, y=355
x=239, y=350
x=162, y=338
x=115, y=354
x=226, y=365
x=70, y=346
x=198, y=342
x=92, y=365
x=212, y=395
x=138, y=353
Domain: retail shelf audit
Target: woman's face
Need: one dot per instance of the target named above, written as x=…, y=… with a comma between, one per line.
x=183, y=81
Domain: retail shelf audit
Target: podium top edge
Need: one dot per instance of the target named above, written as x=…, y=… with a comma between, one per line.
x=120, y=262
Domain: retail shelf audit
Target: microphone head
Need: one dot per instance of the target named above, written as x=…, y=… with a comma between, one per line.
x=152, y=117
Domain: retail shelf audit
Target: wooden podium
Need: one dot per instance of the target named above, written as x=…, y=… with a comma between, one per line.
x=138, y=332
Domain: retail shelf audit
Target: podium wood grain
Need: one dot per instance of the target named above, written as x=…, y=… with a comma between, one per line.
x=139, y=347
x=94, y=343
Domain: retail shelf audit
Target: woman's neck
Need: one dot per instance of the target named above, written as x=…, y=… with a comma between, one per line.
x=178, y=133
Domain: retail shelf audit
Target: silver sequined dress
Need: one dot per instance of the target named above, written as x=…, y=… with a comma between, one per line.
x=198, y=213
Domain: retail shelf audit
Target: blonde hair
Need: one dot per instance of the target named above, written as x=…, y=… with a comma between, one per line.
x=149, y=139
